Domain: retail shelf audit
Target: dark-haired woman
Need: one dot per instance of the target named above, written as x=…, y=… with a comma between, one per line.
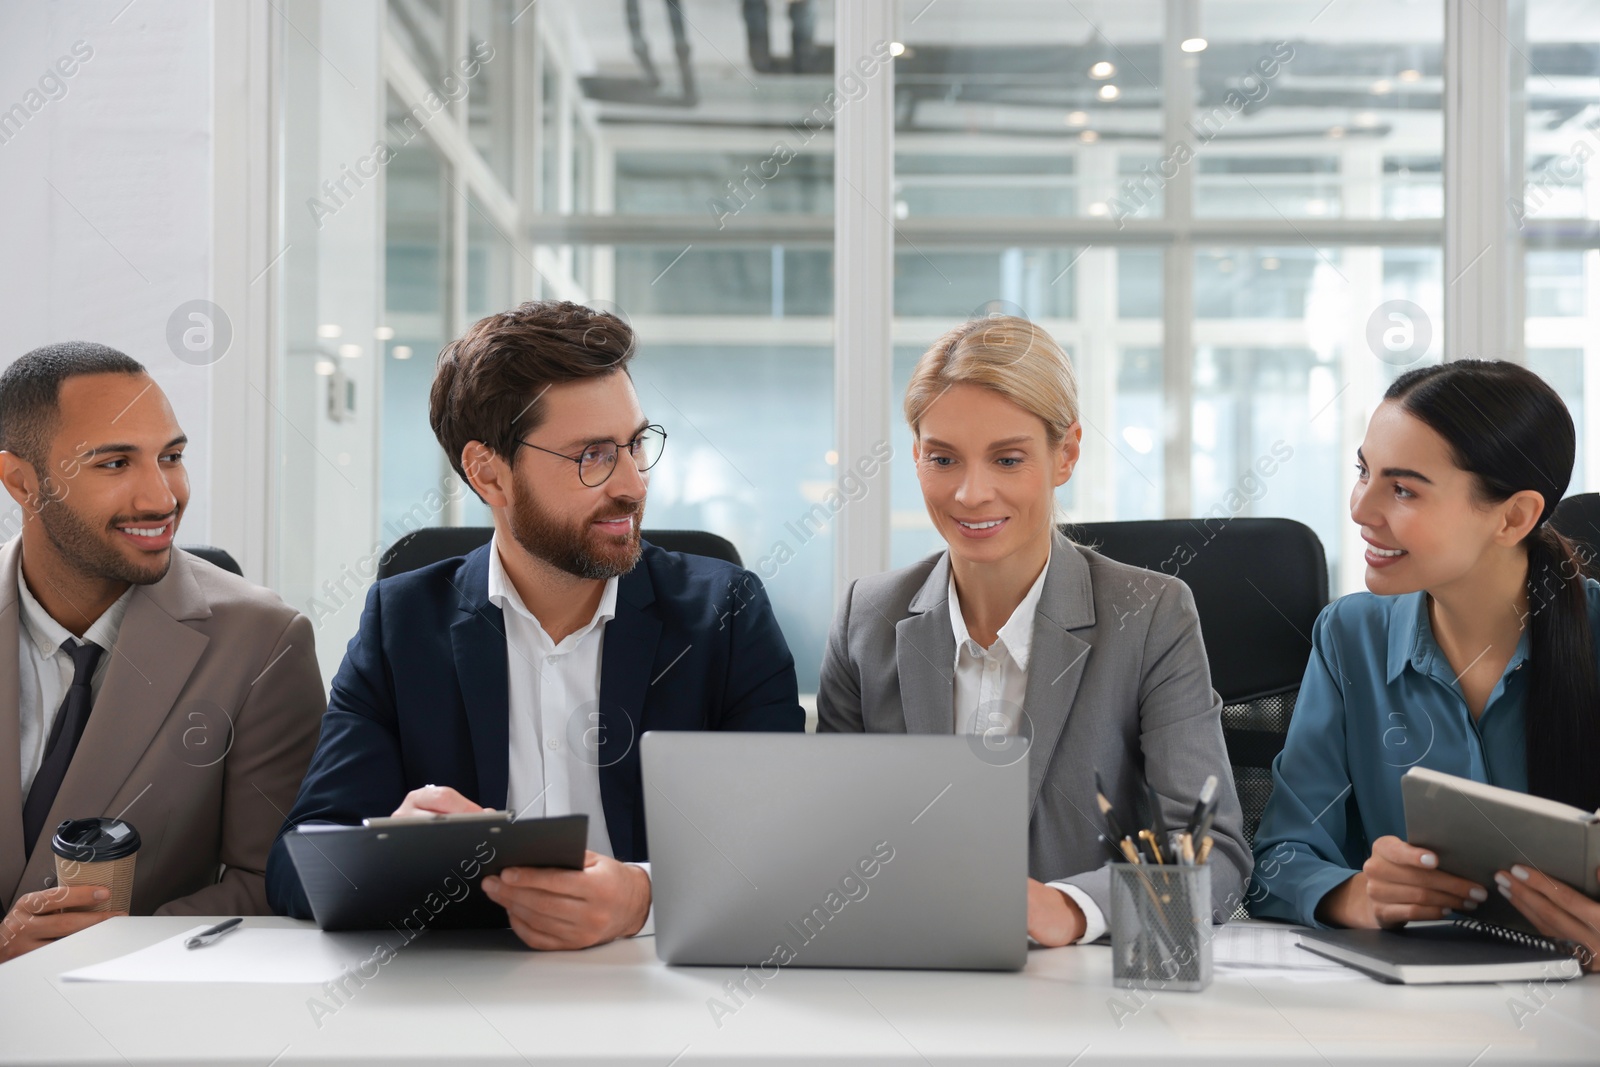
x=1473, y=653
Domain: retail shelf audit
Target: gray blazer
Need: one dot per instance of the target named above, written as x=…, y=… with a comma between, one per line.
x=1117, y=682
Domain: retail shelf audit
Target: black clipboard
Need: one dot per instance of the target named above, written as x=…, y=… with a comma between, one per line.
x=424, y=873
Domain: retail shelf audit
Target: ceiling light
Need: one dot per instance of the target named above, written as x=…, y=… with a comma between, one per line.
x=1270, y=263
x=1088, y=137
x=1097, y=208
x=897, y=49
x=1410, y=75
x=1077, y=118
x=384, y=333
x=1194, y=44
x=1382, y=86
x=1365, y=118
x=324, y=367
x=350, y=351
x=1102, y=70
x=329, y=330
x=1109, y=92
x=1335, y=132
x=401, y=351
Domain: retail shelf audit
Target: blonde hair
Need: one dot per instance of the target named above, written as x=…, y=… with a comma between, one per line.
x=1010, y=355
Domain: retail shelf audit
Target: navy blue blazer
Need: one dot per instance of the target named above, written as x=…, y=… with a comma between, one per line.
x=421, y=698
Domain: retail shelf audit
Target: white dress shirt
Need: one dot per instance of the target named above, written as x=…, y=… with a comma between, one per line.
x=554, y=702
x=990, y=684
x=44, y=669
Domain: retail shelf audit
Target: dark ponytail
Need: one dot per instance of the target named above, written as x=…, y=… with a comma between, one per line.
x=1510, y=429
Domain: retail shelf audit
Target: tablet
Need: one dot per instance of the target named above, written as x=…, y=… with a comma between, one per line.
x=416, y=874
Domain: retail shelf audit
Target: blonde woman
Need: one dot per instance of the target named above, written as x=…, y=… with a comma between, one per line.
x=1016, y=628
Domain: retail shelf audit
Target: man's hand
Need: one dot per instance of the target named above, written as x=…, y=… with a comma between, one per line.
x=1556, y=909
x=42, y=917
x=552, y=908
x=1399, y=883
x=435, y=800
x=1054, y=918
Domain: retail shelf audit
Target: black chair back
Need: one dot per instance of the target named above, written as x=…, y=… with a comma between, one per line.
x=1578, y=518
x=215, y=556
x=434, y=543
x=1258, y=586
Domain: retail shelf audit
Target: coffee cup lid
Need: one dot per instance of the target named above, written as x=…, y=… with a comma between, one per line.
x=94, y=840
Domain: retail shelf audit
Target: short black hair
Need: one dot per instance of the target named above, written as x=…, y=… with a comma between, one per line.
x=30, y=391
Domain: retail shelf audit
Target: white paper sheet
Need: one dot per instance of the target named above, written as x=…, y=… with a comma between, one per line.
x=1271, y=951
x=243, y=955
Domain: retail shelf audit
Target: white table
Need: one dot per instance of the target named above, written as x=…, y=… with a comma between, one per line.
x=481, y=998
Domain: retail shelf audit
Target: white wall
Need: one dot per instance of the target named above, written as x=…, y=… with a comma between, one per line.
x=106, y=224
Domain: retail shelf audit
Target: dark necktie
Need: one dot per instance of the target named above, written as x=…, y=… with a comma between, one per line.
x=65, y=734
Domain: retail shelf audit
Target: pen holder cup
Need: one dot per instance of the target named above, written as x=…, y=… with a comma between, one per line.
x=1160, y=926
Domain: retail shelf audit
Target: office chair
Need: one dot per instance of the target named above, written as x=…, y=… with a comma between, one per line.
x=434, y=543
x=1578, y=518
x=1258, y=586
x=217, y=557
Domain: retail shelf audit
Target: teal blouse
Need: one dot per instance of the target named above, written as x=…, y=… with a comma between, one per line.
x=1379, y=697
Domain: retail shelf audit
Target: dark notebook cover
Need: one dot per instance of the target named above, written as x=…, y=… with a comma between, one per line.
x=1438, y=952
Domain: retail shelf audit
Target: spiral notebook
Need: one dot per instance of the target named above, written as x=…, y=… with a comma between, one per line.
x=1476, y=830
x=1463, y=950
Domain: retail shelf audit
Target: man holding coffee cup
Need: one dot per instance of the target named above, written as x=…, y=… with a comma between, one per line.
x=139, y=685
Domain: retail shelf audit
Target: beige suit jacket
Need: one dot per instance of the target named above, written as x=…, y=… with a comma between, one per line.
x=204, y=725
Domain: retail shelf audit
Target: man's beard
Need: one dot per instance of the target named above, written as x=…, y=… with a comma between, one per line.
x=85, y=548
x=567, y=546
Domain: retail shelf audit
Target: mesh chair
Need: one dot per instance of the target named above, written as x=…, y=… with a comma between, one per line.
x=1258, y=586
x=1578, y=517
x=215, y=556
x=434, y=543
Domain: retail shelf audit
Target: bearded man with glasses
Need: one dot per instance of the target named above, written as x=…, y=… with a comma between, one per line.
x=522, y=675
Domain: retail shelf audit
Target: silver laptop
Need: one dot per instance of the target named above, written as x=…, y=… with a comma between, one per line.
x=838, y=850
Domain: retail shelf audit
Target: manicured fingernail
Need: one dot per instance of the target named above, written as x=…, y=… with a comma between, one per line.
x=1428, y=859
x=1520, y=871
x=102, y=894
x=491, y=884
x=1505, y=890
x=1468, y=905
x=1501, y=880
x=1479, y=894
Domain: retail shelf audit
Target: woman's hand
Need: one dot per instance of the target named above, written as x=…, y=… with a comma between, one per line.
x=1398, y=884
x=1555, y=909
x=1054, y=919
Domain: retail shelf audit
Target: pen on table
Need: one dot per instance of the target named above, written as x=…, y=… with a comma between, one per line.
x=206, y=937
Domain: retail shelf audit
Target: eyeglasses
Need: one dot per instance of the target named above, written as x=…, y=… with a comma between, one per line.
x=599, y=458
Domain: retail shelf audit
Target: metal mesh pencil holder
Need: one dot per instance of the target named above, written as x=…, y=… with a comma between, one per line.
x=1160, y=926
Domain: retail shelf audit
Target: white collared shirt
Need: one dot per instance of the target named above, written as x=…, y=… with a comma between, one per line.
x=990, y=684
x=44, y=669
x=554, y=689
x=553, y=695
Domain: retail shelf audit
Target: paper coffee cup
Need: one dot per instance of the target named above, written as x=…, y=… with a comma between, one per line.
x=97, y=852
